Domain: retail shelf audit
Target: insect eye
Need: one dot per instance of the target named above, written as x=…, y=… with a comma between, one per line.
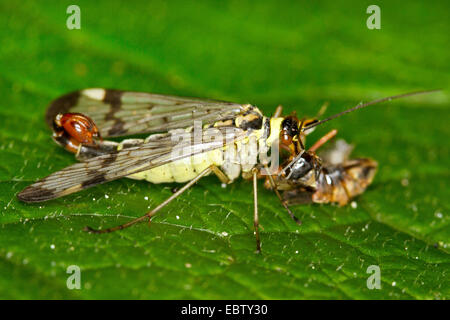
x=294, y=128
x=289, y=130
x=78, y=126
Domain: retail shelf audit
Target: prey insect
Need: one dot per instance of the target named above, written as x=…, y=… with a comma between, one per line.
x=330, y=177
x=234, y=140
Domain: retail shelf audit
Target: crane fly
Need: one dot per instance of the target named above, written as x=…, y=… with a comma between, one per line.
x=190, y=138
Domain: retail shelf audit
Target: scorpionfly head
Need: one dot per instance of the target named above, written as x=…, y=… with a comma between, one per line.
x=77, y=126
x=72, y=130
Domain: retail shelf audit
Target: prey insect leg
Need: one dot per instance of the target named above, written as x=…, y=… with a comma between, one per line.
x=256, y=216
x=155, y=210
x=330, y=135
x=283, y=202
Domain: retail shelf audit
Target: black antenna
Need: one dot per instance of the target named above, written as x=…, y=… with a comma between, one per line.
x=363, y=105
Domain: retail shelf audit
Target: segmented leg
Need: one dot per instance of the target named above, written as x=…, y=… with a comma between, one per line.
x=219, y=173
x=322, y=110
x=278, y=111
x=255, y=215
x=330, y=135
x=283, y=202
x=151, y=213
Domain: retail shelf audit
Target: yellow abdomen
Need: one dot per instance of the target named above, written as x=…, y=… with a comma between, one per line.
x=182, y=170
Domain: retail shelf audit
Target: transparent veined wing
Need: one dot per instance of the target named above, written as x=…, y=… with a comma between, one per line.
x=158, y=150
x=119, y=113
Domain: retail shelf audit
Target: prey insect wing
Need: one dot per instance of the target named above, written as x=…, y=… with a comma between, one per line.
x=118, y=113
x=150, y=154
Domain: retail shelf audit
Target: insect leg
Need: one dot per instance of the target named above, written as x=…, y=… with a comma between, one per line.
x=219, y=173
x=323, y=140
x=322, y=110
x=155, y=210
x=283, y=202
x=255, y=215
x=278, y=111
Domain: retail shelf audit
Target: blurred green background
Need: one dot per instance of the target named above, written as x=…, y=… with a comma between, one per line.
x=298, y=54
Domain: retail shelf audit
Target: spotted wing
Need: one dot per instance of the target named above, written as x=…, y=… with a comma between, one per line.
x=157, y=151
x=119, y=113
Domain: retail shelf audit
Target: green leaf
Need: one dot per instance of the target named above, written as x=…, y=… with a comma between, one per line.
x=202, y=245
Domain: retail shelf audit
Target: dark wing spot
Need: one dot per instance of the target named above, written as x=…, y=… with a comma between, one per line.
x=255, y=124
x=117, y=129
x=87, y=152
x=113, y=96
x=61, y=105
x=111, y=159
x=35, y=194
x=94, y=181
